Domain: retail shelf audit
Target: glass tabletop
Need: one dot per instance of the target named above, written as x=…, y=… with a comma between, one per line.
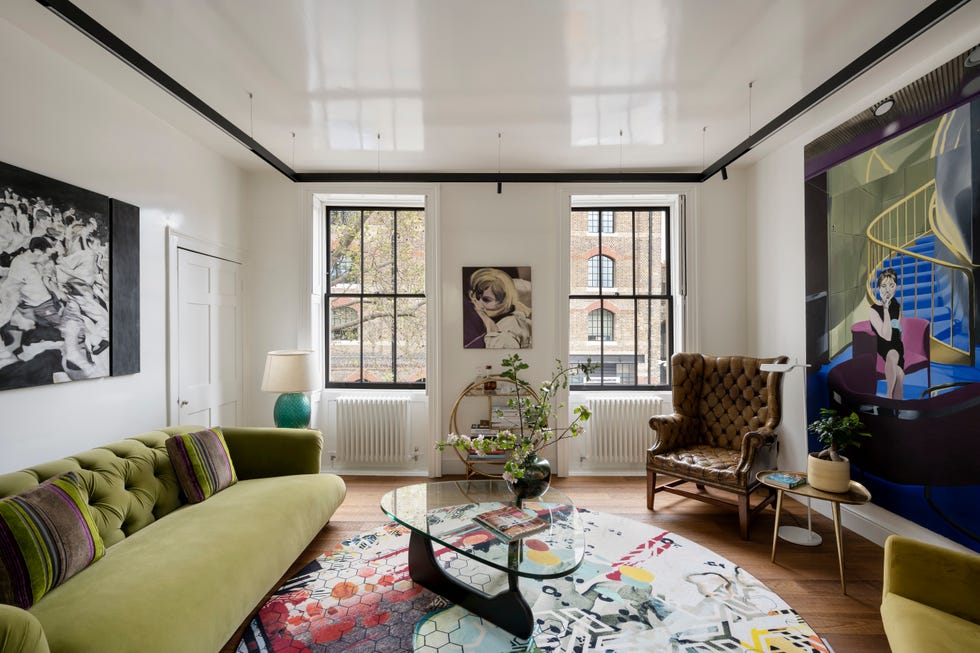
x=444, y=512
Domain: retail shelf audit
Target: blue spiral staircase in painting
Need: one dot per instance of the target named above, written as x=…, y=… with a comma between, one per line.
x=922, y=295
x=935, y=282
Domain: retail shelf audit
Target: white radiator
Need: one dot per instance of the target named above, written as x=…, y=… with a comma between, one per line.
x=619, y=430
x=372, y=429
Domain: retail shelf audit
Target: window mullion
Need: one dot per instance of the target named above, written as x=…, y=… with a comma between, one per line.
x=360, y=375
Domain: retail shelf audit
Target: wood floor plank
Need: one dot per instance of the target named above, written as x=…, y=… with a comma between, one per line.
x=806, y=578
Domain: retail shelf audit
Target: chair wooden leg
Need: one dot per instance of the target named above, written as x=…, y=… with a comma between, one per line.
x=651, y=485
x=743, y=516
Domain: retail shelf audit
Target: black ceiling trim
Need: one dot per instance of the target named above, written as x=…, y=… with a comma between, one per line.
x=885, y=47
x=918, y=24
x=505, y=177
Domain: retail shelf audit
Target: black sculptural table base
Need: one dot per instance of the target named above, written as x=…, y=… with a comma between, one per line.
x=508, y=609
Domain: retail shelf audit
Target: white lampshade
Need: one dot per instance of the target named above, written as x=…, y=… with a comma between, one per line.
x=290, y=371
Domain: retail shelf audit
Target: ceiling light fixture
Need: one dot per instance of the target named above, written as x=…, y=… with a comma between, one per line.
x=704, y=136
x=973, y=59
x=724, y=173
x=500, y=184
x=883, y=107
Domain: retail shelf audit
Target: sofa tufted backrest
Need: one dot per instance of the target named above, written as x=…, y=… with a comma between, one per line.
x=130, y=483
x=730, y=395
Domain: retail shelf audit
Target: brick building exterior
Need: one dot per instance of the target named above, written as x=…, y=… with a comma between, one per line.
x=619, y=267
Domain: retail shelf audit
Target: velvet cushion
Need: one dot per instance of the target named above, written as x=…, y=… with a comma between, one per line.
x=47, y=535
x=202, y=463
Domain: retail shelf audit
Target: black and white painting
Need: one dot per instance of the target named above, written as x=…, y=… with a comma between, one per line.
x=54, y=281
x=497, y=307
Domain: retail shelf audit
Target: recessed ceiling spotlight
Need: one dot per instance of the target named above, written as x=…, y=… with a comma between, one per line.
x=884, y=106
x=973, y=59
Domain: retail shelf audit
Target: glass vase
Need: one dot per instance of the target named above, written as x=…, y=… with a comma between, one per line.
x=536, y=479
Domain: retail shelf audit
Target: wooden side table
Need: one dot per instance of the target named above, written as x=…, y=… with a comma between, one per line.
x=856, y=495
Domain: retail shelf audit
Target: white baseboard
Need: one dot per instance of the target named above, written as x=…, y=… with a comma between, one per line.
x=874, y=523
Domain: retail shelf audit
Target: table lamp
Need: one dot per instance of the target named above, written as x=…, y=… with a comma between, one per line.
x=292, y=373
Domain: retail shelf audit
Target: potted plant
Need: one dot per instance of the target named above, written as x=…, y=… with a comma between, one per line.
x=828, y=470
x=526, y=473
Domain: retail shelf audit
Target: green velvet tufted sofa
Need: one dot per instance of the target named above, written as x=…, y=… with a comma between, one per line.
x=176, y=578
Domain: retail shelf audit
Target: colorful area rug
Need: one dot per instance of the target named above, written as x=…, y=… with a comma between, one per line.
x=640, y=588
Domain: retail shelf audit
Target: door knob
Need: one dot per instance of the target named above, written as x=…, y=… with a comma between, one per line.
x=183, y=403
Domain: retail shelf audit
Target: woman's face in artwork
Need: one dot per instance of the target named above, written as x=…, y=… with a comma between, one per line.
x=489, y=300
x=886, y=289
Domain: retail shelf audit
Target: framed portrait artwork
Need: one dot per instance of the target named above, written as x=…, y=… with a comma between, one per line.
x=497, y=307
x=69, y=282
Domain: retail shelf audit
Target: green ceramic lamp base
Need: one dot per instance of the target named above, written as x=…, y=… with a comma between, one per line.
x=292, y=411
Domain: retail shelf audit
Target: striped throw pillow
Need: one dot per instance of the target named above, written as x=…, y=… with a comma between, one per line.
x=47, y=535
x=202, y=463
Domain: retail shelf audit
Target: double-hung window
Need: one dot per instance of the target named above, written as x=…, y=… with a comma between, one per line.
x=621, y=300
x=375, y=297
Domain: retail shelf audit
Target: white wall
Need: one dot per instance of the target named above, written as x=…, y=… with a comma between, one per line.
x=274, y=281
x=721, y=267
x=480, y=227
x=61, y=121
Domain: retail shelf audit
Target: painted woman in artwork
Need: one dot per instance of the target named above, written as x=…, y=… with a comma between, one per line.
x=885, y=320
x=506, y=319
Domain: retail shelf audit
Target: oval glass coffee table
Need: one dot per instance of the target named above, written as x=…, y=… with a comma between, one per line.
x=441, y=515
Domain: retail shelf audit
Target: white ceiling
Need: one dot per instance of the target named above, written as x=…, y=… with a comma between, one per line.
x=570, y=86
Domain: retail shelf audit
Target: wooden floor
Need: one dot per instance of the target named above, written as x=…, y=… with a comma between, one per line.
x=805, y=577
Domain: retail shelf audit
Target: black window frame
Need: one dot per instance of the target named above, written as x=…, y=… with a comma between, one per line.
x=360, y=295
x=630, y=295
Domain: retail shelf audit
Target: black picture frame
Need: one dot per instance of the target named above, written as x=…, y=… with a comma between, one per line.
x=69, y=282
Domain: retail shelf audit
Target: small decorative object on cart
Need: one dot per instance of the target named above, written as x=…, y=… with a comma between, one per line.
x=489, y=386
x=526, y=474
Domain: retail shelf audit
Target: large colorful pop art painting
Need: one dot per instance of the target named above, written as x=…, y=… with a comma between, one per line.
x=893, y=264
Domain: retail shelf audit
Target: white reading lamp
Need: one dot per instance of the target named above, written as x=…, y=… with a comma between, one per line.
x=292, y=373
x=795, y=534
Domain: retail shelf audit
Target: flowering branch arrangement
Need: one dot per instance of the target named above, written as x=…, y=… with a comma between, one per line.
x=534, y=416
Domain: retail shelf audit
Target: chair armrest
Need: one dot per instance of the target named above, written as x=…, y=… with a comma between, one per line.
x=752, y=442
x=21, y=632
x=262, y=452
x=941, y=578
x=672, y=432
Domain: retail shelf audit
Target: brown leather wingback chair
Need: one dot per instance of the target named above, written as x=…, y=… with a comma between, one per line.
x=722, y=432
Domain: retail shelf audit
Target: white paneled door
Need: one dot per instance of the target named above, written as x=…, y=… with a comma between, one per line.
x=209, y=341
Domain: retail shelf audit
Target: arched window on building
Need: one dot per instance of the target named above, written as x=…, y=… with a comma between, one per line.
x=601, y=325
x=601, y=271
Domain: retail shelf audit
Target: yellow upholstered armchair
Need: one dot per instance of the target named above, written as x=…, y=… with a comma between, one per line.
x=722, y=432
x=931, y=598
